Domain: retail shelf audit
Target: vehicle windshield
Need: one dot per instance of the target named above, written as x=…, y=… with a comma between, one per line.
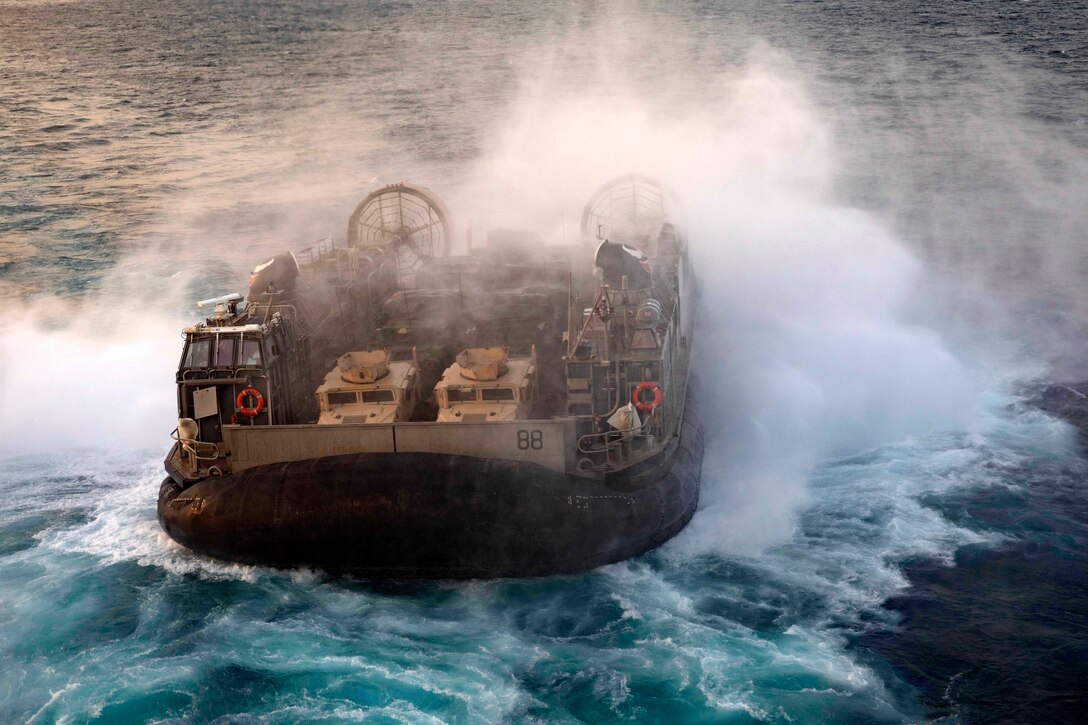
x=503, y=394
x=343, y=398
x=378, y=396
x=461, y=395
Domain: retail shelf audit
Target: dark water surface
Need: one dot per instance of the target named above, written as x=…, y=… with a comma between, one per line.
x=151, y=152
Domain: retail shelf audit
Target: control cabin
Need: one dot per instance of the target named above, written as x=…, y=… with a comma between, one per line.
x=485, y=385
x=231, y=353
x=368, y=387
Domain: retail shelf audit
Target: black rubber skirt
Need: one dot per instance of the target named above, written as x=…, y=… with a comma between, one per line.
x=413, y=515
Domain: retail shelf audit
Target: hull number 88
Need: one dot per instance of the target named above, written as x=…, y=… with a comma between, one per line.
x=530, y=440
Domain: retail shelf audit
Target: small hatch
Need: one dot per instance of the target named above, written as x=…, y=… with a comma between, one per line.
x=483, y=363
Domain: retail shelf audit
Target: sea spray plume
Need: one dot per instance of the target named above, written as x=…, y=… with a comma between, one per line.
x=804, y=351
x=804, y=356
x=93, y=373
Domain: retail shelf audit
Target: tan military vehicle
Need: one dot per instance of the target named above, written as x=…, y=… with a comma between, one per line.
x=368, y=387
x=485, y=385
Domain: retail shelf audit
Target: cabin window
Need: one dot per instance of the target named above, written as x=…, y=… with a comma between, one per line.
x=251, y=353
x=224, y=353
x=199, y=354
x=377, y=396
x=492, y=394
x=343, y=398
x=461, y=395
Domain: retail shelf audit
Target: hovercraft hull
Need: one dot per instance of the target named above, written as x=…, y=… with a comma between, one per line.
x=426, y=515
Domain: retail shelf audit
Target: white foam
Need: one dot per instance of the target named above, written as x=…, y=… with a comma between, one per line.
x=123, y=525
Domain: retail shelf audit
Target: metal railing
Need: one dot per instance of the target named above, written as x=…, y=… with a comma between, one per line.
x=192, y=451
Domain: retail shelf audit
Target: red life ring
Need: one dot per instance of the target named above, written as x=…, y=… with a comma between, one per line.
x=240, y=403
x=640, y=402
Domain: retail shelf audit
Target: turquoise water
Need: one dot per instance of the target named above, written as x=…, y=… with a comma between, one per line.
x=884, y=204
x=104, y=617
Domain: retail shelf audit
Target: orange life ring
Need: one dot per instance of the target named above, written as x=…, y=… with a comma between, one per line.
x=641, y=403
x=241, y=400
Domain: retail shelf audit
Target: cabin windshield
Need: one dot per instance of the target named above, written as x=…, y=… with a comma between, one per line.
x=498, y=394
x=377, y=396
x=250, y=355
x=211, y=350
x=199, y=353
x=224, y=354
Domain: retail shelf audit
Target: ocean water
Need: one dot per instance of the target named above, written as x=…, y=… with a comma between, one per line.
x=886, y=204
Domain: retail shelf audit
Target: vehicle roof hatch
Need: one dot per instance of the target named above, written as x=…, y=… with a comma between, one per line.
x=483, y=363
x=363, y=367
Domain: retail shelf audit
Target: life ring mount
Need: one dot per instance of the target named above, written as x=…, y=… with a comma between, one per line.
x=245, y=410
x=647, y=403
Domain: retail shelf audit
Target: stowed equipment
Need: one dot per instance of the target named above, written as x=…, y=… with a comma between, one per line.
x=628, y=351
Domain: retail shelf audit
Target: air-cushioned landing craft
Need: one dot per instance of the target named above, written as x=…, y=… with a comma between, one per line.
x=381, y=408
